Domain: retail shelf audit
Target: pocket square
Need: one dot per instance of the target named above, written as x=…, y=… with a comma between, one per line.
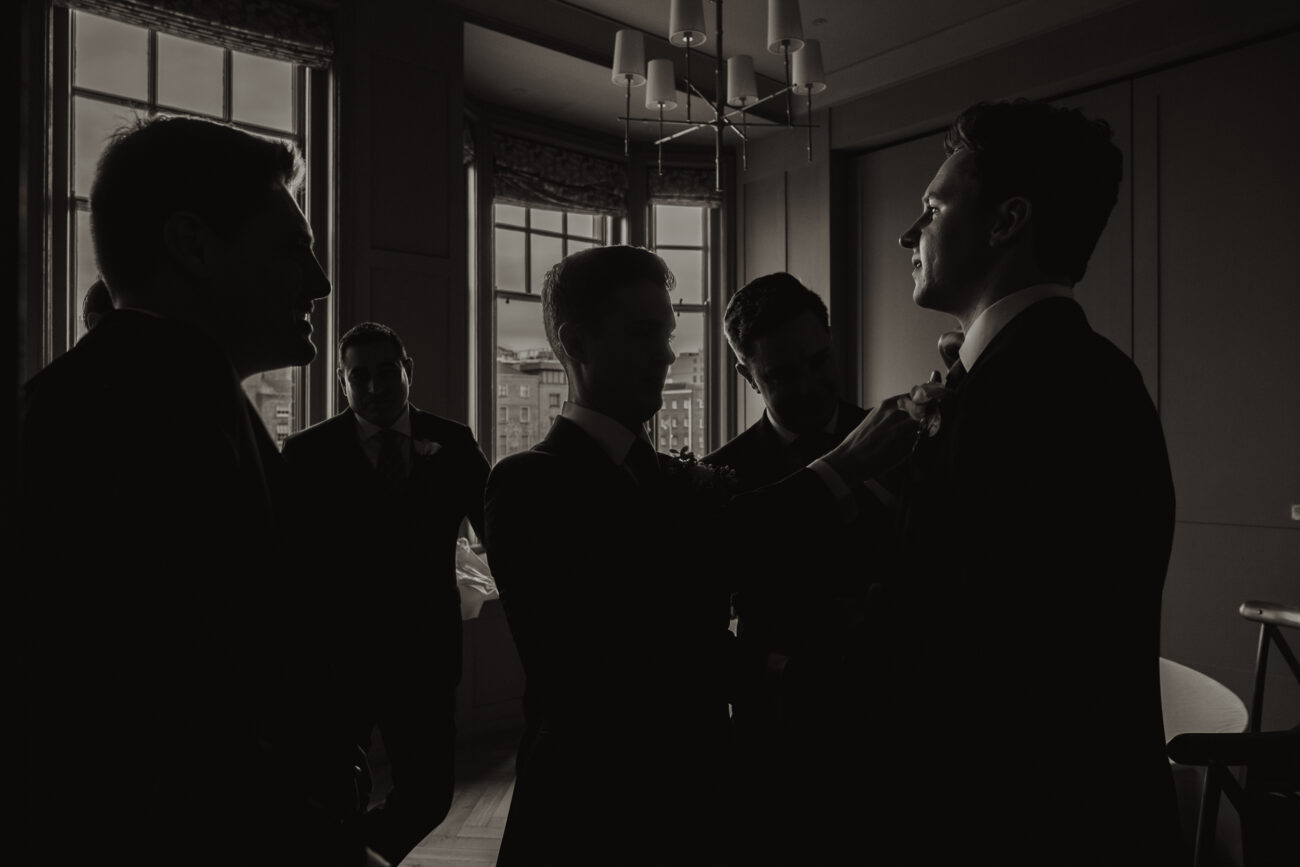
x=426, y=448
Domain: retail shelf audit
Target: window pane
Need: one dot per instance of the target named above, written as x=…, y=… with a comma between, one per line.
x=687, y=385
x=583, y=225
x=679, y=224
x=531, y=385
x=551, y=221
x=95, y=122
x=261, y=91
x=510, y=214
x=111, y=56
x=508, y=260
x=273, y=394
x=688, y=267
x=86, y=272
x=189, y=75
x=575, y=246
x=546, y=252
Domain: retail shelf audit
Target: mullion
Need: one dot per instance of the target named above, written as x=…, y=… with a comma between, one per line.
x=227, y=98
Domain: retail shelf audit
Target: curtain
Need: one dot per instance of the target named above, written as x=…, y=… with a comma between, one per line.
x=538, y=175
x=272, y=28
x=683, y=186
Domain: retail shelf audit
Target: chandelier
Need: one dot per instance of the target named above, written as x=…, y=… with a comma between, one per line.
x=803, y=75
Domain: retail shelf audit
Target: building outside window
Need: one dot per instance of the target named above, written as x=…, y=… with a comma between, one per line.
x=121, y=72
x=680, y=234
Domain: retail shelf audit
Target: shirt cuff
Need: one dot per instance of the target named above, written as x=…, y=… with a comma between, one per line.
x=845, y=502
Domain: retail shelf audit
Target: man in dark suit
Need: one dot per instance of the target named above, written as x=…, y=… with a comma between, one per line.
x=795, y=708
x=403, y=481
x=174, y=712
x=1019, y=670
x=615, y=565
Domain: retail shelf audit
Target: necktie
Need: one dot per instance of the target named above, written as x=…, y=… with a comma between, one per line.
x=811, y=446
x=956, y=374
x=642, y=462
x=392, y=463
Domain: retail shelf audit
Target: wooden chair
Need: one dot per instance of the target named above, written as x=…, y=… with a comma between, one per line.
x=1268, y=799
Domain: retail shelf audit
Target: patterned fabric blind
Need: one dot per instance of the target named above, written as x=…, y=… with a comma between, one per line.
x=538, y=175
x=271, y=28
x=683, y=186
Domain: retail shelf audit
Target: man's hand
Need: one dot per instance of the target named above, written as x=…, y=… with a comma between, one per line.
x=883, y=439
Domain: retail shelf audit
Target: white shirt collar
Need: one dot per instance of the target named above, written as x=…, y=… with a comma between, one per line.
x=614, y=439
x=402, y=425
x=788, y=436
x=994, y=318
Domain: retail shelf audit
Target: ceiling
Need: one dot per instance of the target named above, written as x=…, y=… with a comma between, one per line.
x=551, y=58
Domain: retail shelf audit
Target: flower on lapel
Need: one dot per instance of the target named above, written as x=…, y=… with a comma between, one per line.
x=425, y=448
x=923, y=404
x=687, y=470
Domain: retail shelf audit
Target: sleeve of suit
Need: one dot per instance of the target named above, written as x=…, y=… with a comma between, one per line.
x=476, y=476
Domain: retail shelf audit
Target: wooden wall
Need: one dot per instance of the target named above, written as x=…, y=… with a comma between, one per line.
x=1184, y=281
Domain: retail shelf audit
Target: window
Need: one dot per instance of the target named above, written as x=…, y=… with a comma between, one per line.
x=526, y=242
x=503, y=414
x=120, y=72
x=681, y=235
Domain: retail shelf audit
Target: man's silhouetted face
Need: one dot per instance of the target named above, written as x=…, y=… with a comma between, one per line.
x=376, y=380
x=268, y=280
x=628, y=355
x=950, y=248
x=793, y=368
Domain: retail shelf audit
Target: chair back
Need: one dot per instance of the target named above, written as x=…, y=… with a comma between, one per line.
x=1272, y=619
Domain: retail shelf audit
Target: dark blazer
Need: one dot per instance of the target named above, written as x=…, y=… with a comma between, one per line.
x=164, y=670
x=1025, y=628
x=401, y=547
x=395, y=552
x=616, y=594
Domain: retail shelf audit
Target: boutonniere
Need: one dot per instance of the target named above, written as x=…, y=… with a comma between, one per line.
x=924, y=403
x=425, y=448
x=686, y=469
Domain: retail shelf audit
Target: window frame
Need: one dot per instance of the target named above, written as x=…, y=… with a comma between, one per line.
x=315, y=133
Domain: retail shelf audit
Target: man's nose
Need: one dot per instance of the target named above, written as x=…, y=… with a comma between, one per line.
x=908, y=239
x=318, y=285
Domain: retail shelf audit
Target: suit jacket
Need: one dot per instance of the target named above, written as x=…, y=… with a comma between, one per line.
x=399, y=548
x=616, y=595
x=1024, y=644
x=164, y=668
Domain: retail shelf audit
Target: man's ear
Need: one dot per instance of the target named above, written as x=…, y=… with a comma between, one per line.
x=343, y=385
x=573, y=340
x=188, y=243
x=1013, y=216
x=409, y=364
x=744, y=371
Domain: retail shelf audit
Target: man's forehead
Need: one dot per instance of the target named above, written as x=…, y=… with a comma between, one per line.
x=956, y=170
x=366, y=353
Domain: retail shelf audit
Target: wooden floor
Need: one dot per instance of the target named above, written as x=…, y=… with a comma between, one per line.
x=471, y=833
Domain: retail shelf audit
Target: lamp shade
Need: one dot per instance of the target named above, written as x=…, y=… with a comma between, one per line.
x=686, y=23
x=629, y=58
x=807, y=74
x=661, y=90
x=742, y=90
x=783, y=25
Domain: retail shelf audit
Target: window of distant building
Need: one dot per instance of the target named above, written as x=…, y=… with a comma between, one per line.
x=118, y=72
x=523, y=413
x=555, y=400
x=502, y=390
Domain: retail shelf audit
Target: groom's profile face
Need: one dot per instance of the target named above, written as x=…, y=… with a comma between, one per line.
x=629, y=351
x=949, y=242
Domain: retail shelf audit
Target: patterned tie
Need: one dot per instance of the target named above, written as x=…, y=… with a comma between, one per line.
x=642, y=462
x=392, y=462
